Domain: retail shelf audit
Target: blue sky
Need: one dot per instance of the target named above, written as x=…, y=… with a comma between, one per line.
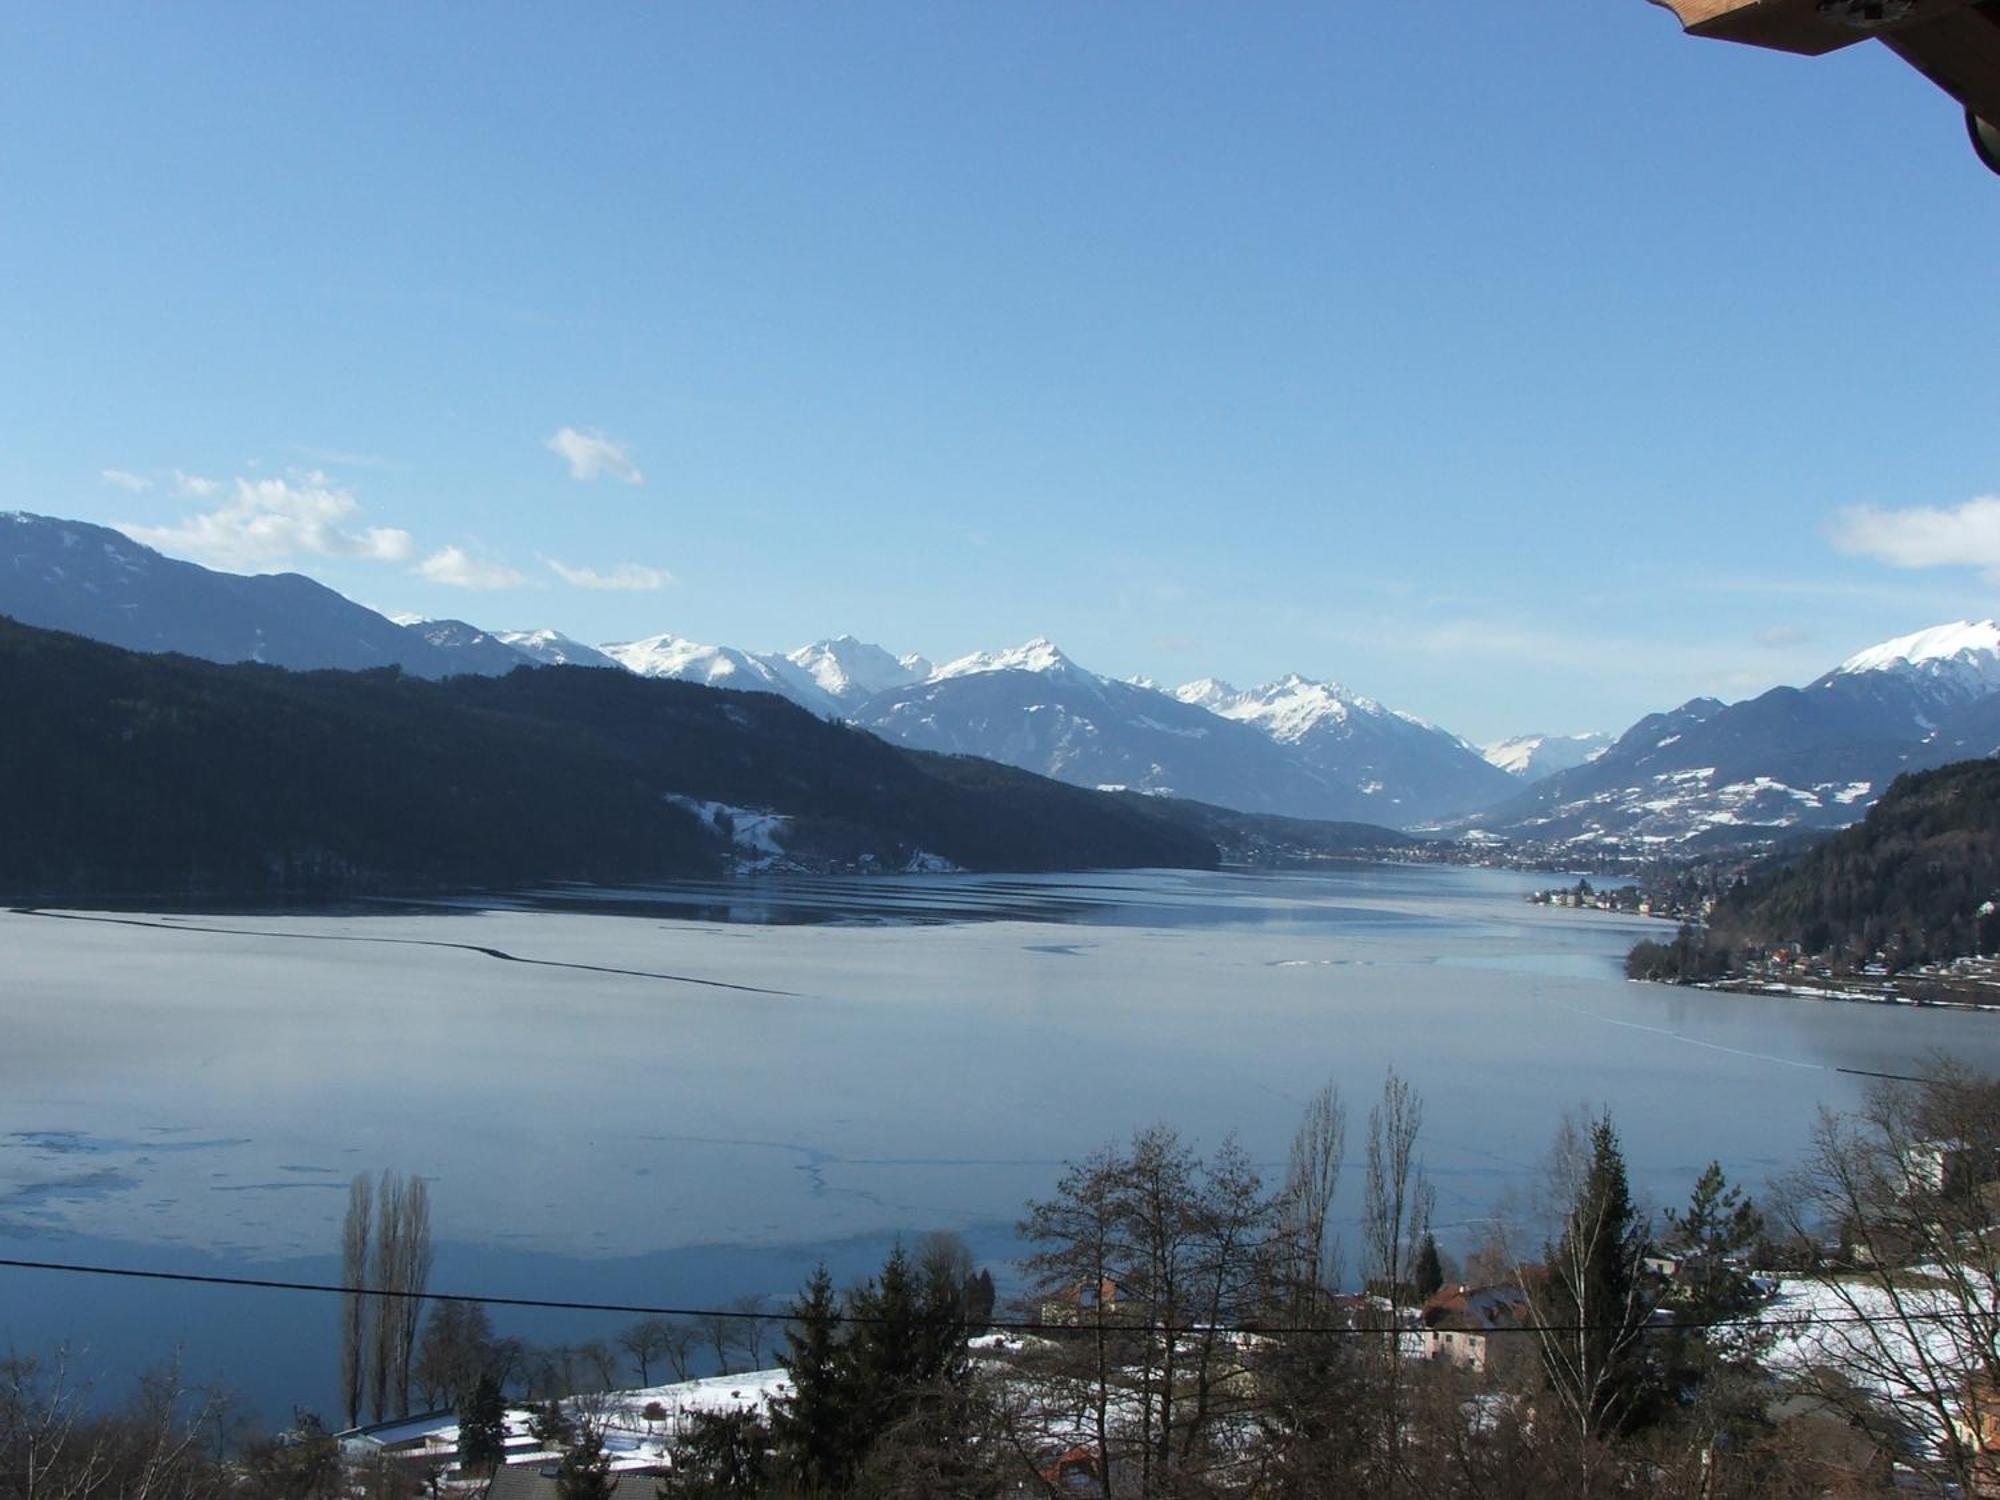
x=1528, y=367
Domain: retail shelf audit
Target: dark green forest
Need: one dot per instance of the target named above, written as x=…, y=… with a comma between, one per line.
x=139, y=775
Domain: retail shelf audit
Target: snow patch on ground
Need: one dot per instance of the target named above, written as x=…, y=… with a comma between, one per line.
x=751, y=831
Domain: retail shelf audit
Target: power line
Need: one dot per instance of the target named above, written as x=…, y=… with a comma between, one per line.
x=323, y=1288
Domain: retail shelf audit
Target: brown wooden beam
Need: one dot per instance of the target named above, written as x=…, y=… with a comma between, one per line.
x=1810, y=27
x=1960, y=53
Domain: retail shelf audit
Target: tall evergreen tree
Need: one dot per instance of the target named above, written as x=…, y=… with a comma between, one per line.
x=979, y=1299
x=1593, y=1306
x=722, y=1456
x=1719, y=1223
x=886, y=1347
x=811, y=1426
x=482, y=1431
x=585, y=1473
x=1427, y=1279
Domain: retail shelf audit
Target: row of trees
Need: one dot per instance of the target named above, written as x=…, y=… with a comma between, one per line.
x=385, y=1264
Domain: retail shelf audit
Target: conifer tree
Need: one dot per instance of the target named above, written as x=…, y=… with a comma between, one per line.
x=1719, y=1223
x=1592, y=1302
x=1427, y=1279
x=482, y=1432
x=979, y=1299
x=885, y=1345
x=811, y=1426
x=585, y=1473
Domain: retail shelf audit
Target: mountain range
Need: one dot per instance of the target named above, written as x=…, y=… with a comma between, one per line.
x=1790, y=759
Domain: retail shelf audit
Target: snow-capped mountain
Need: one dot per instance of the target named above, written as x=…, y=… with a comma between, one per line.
x=1409, y=771
x=1530, y=757
x=551, y=648
x=723, y=667
x=93, y=581
x=1961, y=658
x=471, y=649
x=1041, y=655
x=1917, y=681
x=1295, y=747
x=850, y=671
x=1792, y=758
x=1034, y=708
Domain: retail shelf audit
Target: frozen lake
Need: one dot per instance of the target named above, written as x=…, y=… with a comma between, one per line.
x=683, y=1095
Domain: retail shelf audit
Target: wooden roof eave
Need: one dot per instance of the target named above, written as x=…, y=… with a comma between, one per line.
x=1809, y=27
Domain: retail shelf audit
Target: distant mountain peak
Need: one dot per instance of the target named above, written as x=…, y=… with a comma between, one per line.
x=670, y=655
x=850, y=670
x=1205, y=692
x=1038, y=655
x=1963, y=643
x=1533, y=756
x=553, y=649
x=1287, y=709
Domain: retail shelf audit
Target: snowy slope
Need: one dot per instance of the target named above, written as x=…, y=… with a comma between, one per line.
x=1963, y=651
x=1530, y=757
x=1407, y=770
x=470, y=648
x=551, y=648
x=1034, y=708
x=1942, y=668
x=1041, y=655
x=723, y=667
x=849, y=670
x=1295, y=747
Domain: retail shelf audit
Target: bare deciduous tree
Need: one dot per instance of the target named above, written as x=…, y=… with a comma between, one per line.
x=354, y=1305
x=1909, y=1184
x=413, y=1279
x=1310, y=1263
x=721, y=1336
x=55, y=1444
x=753, y=1327
x=400, y=1276
x=646, y=1341
x=1399, y=1199
x=1396, y=1214
x=678, y=1344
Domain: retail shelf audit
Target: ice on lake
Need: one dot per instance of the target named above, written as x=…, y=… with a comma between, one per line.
x=595, y=1076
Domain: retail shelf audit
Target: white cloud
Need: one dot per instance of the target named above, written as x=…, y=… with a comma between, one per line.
x=270, y=520
x=125, y=479
x=1925, y=536
x=459, y=569
x=592, y=455
x=629, y=576
x=195, y=487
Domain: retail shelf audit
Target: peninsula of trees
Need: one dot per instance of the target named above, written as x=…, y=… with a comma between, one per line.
x=1915, y=884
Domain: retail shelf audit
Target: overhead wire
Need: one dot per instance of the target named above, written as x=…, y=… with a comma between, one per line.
x=734, y=1314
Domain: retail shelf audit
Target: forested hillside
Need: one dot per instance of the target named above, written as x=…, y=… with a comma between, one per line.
x=1916, y=881
x=160, y=775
